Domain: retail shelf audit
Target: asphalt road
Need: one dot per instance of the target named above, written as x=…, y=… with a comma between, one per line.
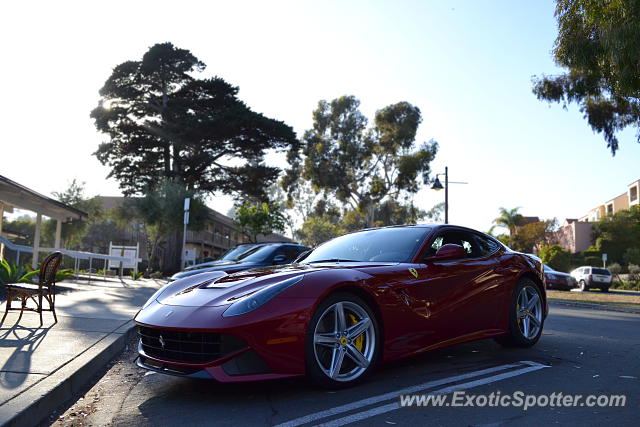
x=582, y=352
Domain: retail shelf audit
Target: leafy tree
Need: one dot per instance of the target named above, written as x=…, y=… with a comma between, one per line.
x=317, y=230
x=616, y=269
x=160, y=214
x=73, y=195
x=23, y=226
x=556, y=257
x=632, y=256
x=99, y=234
x=163, y=123
x=259, y=218
x=615, y=234
x=509, y=219
x=533, y=235
x=634, y=272
x=598, y=42
x=73, y=231
x=360, y=165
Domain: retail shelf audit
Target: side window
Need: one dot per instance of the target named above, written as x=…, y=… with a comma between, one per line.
x=292, y=252
x=486, y=246
x=437, y=244
x=455, y=237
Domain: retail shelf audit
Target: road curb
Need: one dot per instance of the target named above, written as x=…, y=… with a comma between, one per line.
x=602, y=307
x=34, y=406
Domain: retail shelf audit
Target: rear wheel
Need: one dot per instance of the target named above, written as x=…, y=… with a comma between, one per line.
x=604, y=289
x=342, y=342
x=526, y=316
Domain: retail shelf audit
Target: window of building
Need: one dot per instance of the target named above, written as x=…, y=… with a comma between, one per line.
x=633, y=194
x=610, y=209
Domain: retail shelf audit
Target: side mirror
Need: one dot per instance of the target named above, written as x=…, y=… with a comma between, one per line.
x=279, y=259
x=450, y=251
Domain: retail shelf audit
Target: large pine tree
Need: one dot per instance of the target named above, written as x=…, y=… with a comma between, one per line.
x=164, y=123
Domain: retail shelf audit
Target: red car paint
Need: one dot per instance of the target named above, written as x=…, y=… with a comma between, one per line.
x=420, y=306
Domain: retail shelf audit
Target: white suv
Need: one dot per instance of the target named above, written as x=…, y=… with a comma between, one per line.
x=592, y=277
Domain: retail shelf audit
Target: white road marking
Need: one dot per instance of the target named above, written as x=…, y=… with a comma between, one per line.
x=408, y=390
x=463, y=386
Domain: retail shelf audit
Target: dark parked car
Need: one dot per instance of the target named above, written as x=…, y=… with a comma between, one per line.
x=230, y=255
x=558, y=280
x=260, y=255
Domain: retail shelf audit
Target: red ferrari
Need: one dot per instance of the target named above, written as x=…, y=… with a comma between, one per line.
x=371, y=296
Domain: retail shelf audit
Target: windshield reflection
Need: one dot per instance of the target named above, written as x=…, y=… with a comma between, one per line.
x=377, y=245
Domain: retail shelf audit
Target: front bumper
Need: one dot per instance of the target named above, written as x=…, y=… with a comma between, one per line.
x=561, y=283
x=272, y=340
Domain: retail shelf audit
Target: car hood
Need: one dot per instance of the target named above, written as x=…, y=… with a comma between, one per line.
x=206, y=265
x=216, y=288
x=221, y=266
x=558, y=273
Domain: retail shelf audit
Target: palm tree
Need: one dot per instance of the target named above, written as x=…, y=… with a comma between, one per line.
x=509, y=219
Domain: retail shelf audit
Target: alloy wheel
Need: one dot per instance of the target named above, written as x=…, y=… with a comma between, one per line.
x=344, y=341
x=529, y=312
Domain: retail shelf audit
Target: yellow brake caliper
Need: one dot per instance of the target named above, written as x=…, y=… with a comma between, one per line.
x=518, y=314
x=360, y=339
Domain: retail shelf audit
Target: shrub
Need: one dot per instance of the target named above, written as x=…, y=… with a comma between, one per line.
x=634, y=272
x=11, y=273
x=593, y=261
x=632, y=256
x=615, y=270
x=555, y=257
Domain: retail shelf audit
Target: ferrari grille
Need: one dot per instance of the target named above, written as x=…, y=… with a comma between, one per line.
x=185, y=346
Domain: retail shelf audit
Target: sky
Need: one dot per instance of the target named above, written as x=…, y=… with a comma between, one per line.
x=466, y=64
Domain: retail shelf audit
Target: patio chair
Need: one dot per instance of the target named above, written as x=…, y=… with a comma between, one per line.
x=45, y=289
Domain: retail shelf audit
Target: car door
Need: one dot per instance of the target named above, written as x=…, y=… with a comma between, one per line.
x=455, y=297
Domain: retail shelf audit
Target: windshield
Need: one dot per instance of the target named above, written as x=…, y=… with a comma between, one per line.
x=256, y=254
x=380, y=245
x=547, y=268
x=234, y=253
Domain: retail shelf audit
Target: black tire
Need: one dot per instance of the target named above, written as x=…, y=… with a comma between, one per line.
x=314, y=371
x=583, y=286
x=604, y=289
x=515, y=337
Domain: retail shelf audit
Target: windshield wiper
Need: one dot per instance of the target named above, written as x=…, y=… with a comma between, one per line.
x=334, y=260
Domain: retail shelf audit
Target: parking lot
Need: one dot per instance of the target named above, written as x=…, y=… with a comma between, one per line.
x=582, y=351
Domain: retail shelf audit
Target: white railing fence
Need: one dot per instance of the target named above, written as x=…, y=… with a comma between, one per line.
x=78, y=257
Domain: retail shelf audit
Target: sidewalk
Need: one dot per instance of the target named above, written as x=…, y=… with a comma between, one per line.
x=41, y=367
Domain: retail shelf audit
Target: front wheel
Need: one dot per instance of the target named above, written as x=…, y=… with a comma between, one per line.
x=526, y=316
x=342, y=343
x=583, y=286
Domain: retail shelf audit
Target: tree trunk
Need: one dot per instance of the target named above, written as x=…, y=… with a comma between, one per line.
x=172, y=254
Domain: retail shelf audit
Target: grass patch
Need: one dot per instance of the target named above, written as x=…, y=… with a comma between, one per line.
x=615, y=299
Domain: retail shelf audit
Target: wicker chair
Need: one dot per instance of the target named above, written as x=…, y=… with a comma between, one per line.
x=45, y=289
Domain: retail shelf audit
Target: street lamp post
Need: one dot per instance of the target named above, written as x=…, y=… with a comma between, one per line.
x=437, y=185
x=183, y=259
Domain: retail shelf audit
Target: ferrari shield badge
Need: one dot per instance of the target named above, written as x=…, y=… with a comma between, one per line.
x=413, y=272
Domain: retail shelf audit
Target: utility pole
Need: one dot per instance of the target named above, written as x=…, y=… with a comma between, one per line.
x=183, y=260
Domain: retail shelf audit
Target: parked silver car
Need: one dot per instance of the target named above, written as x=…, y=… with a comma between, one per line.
x=592, y=277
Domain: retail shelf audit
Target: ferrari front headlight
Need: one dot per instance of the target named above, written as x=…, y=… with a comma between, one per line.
x=257, y=299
